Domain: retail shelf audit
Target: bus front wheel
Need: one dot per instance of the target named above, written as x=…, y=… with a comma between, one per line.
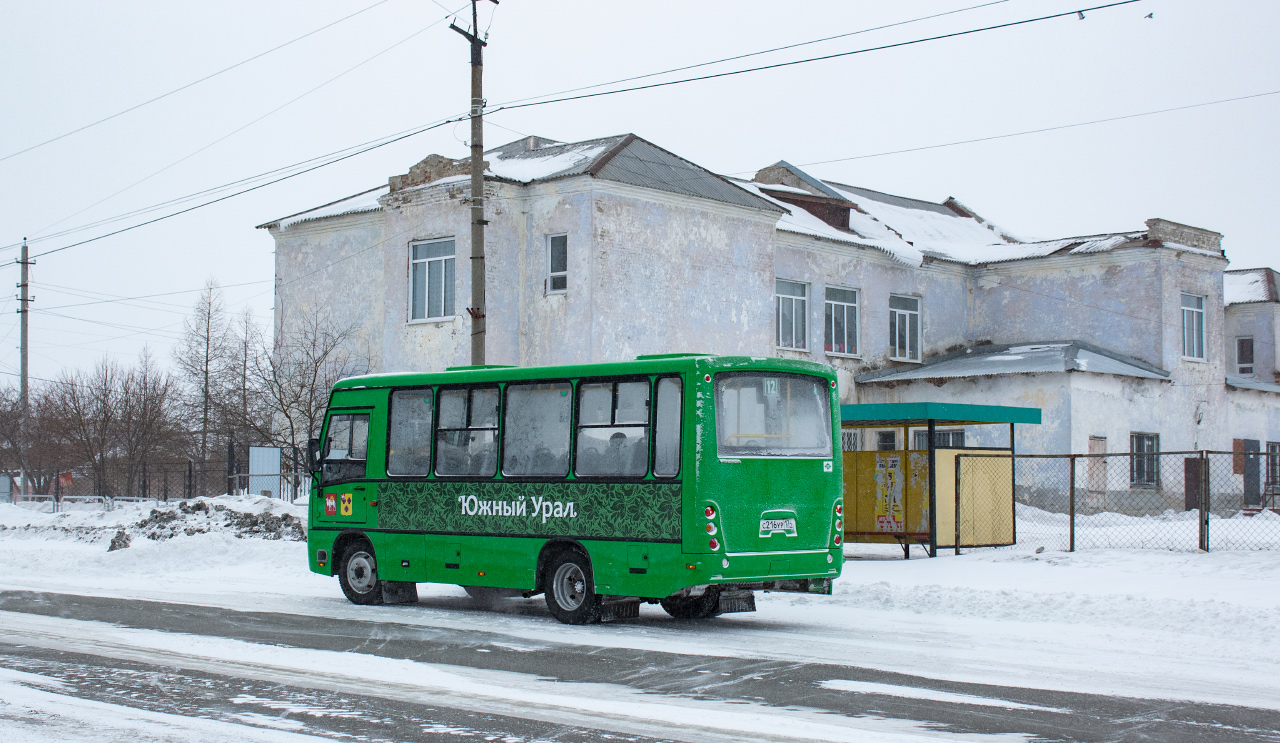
x=358, y=574
x=697, y=607
x=570, y=591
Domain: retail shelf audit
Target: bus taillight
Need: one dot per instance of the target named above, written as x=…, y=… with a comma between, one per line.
x=839, y=509
x=715, y=544
x=837, y=540
x=711, y=528
x=710, y=512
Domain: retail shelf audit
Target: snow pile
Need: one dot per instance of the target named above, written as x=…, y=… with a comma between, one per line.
x=237, y=516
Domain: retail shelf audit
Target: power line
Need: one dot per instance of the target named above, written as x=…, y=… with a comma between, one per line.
x=761, y=52
x=190, y=84
x=423, y=129
x=420, y=130
x=145, y=296
x=821, y=58
x=1045, y=129
x=232, y=133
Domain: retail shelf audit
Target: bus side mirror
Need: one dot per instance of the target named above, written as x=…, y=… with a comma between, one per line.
x=313, y=455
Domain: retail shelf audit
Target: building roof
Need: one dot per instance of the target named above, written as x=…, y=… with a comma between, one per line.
x=1245, y=383
x=1025, y=358
x=365, y=201
x=1242, y=286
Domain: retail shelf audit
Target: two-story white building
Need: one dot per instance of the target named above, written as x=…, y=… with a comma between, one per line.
x=610, y=248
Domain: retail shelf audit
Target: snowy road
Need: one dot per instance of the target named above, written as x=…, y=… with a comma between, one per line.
x=251, y=668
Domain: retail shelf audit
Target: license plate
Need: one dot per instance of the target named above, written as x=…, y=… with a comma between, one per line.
x=768, y=526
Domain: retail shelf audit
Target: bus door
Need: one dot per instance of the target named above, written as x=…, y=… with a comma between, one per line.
x=344, y=487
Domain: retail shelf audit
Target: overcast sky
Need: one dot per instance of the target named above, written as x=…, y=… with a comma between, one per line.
x=64, y=65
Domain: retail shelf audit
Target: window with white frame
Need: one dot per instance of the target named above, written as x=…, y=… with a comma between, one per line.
x=431, y=280
x=1193, y=326
x=792, y=311
x=1244, y=355
x=840, y=318
x=904, y=328
x=557, y=263
x=1144, y=460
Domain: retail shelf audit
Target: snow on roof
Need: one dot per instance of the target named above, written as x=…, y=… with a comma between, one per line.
x=980, y=254
x=1028, y=358
x=870, y=233
x=1249, y=285
x=365, y=201
x=547, y=161
x=924, y=224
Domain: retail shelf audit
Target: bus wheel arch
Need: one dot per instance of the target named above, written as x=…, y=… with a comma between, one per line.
x=568, y=581
x=355, y=564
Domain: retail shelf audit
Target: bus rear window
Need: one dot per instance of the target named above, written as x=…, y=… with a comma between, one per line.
x=772, y=415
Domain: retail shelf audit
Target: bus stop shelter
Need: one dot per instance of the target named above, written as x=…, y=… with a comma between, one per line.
x=892, y=491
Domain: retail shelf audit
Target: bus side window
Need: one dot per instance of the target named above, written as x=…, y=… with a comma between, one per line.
x=409, y=444
x=666, y=434
x=467, y=436
x=535, y=438
x=345, y=449
x=613, y=429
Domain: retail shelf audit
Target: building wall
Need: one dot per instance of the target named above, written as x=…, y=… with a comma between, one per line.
x=1260, y=321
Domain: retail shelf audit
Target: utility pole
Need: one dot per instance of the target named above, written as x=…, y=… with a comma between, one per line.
x=24, y=400
x=477, y=308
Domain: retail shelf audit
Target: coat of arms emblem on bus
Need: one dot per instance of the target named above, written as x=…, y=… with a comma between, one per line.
x=345, y=504
x=330, y=504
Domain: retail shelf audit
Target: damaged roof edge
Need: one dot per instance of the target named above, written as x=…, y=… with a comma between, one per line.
x=1073, y=349
x=275, y=222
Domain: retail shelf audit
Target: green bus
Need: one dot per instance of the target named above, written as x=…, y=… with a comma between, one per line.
x=686, y=480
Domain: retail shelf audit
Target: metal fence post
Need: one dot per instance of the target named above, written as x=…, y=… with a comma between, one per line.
x=190, y=467
x=1071, y=507
x=1204, y=501
x=958, y=503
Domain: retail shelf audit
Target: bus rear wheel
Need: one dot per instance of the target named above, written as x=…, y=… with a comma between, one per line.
x=358, y=574
x=570, y=589
x=696, y=607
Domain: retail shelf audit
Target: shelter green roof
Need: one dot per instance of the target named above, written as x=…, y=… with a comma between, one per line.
x=948, y=413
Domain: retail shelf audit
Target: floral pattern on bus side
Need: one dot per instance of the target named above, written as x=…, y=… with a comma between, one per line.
x=638, y=511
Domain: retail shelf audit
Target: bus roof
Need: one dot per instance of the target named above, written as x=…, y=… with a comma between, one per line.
x=641, y=365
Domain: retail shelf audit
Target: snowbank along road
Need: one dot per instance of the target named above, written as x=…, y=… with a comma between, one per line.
x=210, y=636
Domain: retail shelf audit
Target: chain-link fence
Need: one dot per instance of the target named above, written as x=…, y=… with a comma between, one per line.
x=1148, y=500
x=162, y=481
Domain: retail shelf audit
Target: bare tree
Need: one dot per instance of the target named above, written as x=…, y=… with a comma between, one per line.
x=201, y=358
x=84, y=407
x=146, y=422
x=295, y=378
x=45, y=453
x=239, y=404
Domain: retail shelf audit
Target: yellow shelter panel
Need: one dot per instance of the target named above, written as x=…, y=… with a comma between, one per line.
x=986, y=501
x=945, y=482
x=886, y=495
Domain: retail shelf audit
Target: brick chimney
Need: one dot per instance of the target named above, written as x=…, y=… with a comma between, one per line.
x=1162, y=230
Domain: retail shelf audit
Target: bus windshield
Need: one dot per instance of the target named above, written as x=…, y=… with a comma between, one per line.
x=772, y=415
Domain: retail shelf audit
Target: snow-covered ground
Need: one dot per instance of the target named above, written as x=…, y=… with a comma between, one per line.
x=1145, y=623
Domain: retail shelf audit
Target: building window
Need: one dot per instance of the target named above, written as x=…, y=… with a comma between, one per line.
x=886, y=440
x=793, y=305
x=941, y=439
x=1144, y=460
x=1244, y=355
x=840, y=335
x=431, y=280
x=1273, y=467
x=1192, y=326
x=904, y=328
x=557, y=263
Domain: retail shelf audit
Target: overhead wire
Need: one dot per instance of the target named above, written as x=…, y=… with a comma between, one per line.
x=192, y=83
x=228, y=135
x=515, y=106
